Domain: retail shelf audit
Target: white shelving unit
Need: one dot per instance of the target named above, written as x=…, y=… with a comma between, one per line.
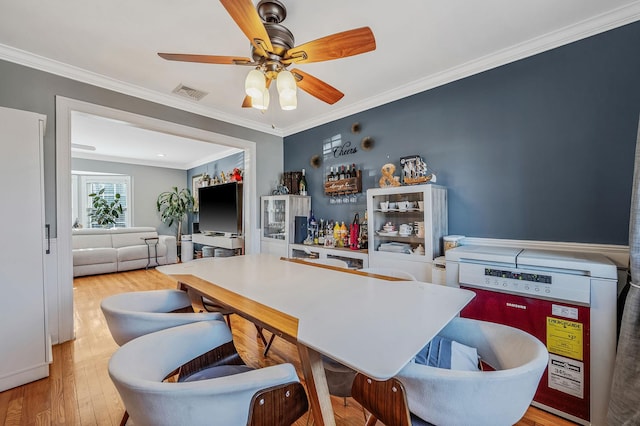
x=357, y=259
x=278, y=221
x=410, y=252
x=230, y=243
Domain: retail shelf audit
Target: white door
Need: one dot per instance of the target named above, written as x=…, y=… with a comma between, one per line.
x=23, y=330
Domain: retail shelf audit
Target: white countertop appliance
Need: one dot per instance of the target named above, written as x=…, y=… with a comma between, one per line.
x=565, y=299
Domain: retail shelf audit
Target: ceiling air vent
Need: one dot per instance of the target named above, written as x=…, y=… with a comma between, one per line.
x=189, y=92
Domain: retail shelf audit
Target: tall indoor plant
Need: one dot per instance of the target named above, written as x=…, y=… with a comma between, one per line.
x=104, y=212
x=173, y=207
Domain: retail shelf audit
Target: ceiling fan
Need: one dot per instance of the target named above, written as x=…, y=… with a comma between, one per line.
x=273, y=50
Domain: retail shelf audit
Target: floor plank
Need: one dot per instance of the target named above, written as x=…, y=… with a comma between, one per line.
x=79, y=391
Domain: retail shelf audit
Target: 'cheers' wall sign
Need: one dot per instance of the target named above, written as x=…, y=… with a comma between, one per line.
x=344, y=149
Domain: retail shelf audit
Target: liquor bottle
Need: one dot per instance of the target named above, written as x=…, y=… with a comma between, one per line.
x=302, y=185
x=344, y=235
x=347, y=172
x=354, y=172
x=364, y=229
x=336, y=234
x=313, y=226
x=330, y=175
x=321, y=233
x=341, y=173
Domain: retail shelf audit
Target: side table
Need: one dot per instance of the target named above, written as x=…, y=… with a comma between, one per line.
x=151, y=241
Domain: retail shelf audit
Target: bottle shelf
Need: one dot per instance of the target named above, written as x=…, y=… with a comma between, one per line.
x=351, y=185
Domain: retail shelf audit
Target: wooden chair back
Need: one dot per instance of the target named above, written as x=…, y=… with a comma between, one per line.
x=386, y=401
x=278, y=406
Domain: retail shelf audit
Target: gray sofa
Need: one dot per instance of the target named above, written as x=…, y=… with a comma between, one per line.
x=100, y=251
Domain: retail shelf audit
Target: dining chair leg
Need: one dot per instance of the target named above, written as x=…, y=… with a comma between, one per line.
x=261, y=335
x=125, y=417
x=266, y=348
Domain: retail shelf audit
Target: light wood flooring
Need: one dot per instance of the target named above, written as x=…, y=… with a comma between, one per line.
x=79, y=391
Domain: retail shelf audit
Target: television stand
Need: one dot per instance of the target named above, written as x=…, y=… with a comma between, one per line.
x=232, y=243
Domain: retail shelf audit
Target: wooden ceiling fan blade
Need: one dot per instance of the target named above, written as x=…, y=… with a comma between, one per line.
x=316, y=87
x=335, y=46
x=245, y=15
x=206, y=59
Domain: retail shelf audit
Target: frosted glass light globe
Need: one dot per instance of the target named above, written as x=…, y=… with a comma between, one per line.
x=255, y=83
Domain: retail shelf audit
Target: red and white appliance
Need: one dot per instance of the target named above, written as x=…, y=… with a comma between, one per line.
x=565, y=299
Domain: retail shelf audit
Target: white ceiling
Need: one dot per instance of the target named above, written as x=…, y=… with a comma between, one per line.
x=99, y=138
x=420, y=44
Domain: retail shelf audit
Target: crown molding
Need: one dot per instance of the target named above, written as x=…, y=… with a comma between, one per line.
x=51, y=66
x=596, y=25
x=587, y=28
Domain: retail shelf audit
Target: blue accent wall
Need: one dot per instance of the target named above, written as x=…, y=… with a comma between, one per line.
x=539, y=149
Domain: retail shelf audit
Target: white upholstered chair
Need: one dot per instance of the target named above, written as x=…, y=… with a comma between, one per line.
x=496, y=397
x=209, y=390
x=133, y=314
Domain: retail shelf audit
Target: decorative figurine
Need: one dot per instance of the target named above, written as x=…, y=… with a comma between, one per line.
x=414, y=171
x=236, y=175
x=388, y=179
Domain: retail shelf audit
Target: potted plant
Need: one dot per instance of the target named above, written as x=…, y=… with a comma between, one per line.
x=103, y=212
x=173, y=207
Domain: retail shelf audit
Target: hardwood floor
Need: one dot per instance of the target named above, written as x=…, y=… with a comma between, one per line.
x=79, y=390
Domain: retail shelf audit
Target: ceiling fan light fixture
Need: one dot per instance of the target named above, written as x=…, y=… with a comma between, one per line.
x=255, y=83
x=261, y=101
x=286, y=84
x=289, y=101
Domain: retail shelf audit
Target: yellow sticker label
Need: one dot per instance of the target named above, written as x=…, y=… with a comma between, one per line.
x=564, y=337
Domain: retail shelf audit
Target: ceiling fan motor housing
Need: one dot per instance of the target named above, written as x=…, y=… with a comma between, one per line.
x=281, y=40
x=271, y=11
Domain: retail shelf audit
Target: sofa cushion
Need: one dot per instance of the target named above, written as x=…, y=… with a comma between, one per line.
x=91, y=256
x=126, y=239
x=85, y=241
x=140, y=252
x=96, y=268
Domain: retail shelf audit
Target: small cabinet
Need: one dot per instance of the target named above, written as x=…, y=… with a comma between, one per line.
x=278, y=214
x=406, y=226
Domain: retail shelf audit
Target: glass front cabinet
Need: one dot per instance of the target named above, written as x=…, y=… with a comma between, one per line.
x=406, y=226
x=278, y=214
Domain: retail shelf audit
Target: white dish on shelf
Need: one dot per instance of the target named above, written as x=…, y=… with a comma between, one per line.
x=387, y=234
x=405, y=235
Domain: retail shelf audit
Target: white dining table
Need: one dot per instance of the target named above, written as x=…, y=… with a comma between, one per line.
x=371, y=324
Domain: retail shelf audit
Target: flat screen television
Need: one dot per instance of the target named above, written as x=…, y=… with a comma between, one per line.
x=220, y=209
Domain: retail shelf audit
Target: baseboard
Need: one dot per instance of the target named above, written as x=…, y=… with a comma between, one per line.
x=25, y=376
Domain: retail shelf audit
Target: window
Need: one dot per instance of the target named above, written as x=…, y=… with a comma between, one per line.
x=112, y=185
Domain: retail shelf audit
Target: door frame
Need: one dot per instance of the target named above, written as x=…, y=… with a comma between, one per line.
x=64, y=108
